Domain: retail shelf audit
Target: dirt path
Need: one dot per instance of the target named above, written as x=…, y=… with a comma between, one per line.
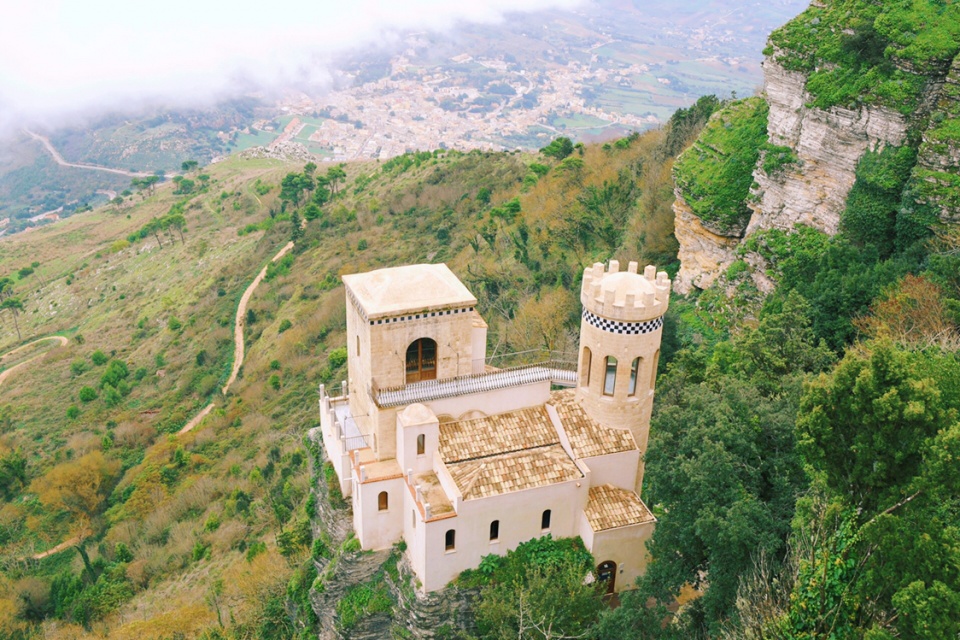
x=6, y=374
x=241, y=312
x=77, y=165
x=238, y=349
x=197, y=419
x=66, y=544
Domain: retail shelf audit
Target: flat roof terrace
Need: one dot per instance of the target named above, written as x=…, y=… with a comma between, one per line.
x=414, y=288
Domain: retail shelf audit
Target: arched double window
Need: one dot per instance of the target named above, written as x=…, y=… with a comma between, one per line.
x=610, y=376
x=421, y=362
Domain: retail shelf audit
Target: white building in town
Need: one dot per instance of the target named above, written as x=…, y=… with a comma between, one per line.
x=461, y=459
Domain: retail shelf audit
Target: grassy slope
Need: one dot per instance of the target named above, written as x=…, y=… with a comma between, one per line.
x=190, y=517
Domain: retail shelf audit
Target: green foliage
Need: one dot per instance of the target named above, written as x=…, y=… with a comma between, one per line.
x=559, y=148
x=116, y=372
x=87, y=394
x=860, y=52
x=173, y=324
x=13, y=474
x=337, y=357
x=284, y=325
x=777, y=158
x=99, y=358
x=362, y=601
x=716, y=173
x=73, y=412
x=874, y=200
x=536, y=587
x=848, y=420
x=78, y=366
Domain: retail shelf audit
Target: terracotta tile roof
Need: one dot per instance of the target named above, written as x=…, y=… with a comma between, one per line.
x=494, y=435
x=504, y=473
x=588, y=437
x=610, y=507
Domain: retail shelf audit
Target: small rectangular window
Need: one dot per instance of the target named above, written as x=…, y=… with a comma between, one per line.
x=421, y=444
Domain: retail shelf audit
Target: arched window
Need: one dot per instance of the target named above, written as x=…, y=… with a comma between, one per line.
x=450, y=540
x=422, y=360
x=653, y=372
x=585, y=367
x=634, y=371
x=494, y=530
x=545, y=520
x=383, y=501
x=610, y=379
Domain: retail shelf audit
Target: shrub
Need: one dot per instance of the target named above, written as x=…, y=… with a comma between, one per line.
x=99, y=358
x=73, y=411
x=337, y=357
x=88, y=394
x=78, y=366
x=173, y=324
x=284, y=325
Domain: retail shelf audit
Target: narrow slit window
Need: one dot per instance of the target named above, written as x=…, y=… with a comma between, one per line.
x=545, y=520
x=634, y=371
x=450, y=540
x=413, y=518
x=383, y=501
x=421, y=444
x=494, y=531
x=653, y=372
x=358, y=346
x=585, y=367
x=610, y=379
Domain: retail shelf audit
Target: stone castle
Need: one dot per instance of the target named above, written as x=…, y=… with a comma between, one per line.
x=461, y=459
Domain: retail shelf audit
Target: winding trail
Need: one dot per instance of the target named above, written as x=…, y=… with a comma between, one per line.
x=66, y=544
x=80, y=165
x=6, y=374
x=238, y=349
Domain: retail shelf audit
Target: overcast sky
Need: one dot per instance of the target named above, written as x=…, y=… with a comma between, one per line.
x=60, y=59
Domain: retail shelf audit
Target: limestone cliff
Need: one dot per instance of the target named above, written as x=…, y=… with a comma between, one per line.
x=836, y=90
x=828, y=145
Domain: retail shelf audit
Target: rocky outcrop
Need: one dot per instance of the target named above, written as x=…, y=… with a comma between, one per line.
x=936, y=178
x=703, y=254
x=828, y=144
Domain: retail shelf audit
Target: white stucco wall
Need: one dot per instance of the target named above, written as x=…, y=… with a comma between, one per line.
x=627, y=546
x=519, y=514
x=378, y=529
x=618, y=469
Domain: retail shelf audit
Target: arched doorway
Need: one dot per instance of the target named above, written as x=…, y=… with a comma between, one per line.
x=422, y=360
x=607, y=572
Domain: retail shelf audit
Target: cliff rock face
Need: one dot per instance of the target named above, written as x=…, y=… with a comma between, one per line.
x=937, y=174
x=703, y=254
x=828, y=143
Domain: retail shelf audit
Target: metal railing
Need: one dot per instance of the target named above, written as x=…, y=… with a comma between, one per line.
x=558, y=372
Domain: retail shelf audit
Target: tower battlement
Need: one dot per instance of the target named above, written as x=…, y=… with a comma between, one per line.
x=627, y=296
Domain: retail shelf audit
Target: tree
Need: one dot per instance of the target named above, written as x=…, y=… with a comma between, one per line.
x=15, y=306
x=175, y=221
x=336, y=175
x=79, y=487
x=559, y=148
x=189, y=165
x=865, y=425
x=296, y=227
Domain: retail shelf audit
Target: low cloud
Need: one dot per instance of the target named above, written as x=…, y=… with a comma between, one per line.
x=61, y=60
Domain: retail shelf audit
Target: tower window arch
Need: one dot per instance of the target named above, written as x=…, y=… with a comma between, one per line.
x=383, y=501
x=450, y=540
x=421, y=361
x=545, y=520
x=634, y=372
x=610, y=376
x=494, y=531
x=585, y=367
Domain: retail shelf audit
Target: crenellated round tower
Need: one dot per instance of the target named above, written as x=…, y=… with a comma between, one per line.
x=620, y=333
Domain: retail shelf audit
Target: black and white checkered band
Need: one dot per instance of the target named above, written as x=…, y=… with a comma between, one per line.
x=624, y=328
